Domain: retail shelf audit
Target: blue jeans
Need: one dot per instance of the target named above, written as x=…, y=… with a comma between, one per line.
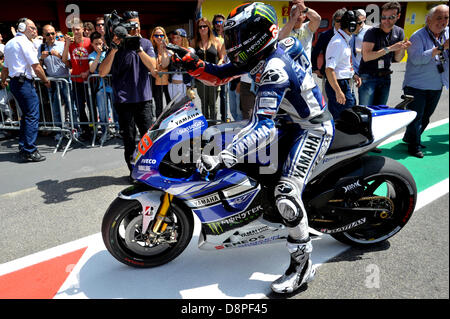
x=28, y=100
x=425, y=102
x=334, y=107
x=57, y=102
x=235, y=105
x=104, y=106
x=374, y=89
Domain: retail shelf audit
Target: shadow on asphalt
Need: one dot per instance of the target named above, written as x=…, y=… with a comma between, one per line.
x=356, y=253
x=57, y=192
x=9, y=151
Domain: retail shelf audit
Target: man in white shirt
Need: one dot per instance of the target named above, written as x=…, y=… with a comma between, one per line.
x=339, y=68
x=22, y=65
x=302, y=31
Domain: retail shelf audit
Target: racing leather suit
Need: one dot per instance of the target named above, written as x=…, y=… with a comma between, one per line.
x=283, y=84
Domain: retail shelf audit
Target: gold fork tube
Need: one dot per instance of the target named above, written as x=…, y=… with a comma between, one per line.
x=163, y=208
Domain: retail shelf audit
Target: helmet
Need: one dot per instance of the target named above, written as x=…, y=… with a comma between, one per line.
x=251, y=33
x=349, y=20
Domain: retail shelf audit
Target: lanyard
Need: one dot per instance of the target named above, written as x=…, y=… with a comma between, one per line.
x=430, y=34
x=344, y=38
x=348, y=44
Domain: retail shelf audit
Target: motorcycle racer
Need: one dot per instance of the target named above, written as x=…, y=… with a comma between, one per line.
x=284, y=85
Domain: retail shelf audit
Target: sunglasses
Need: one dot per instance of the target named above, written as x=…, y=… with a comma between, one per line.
x=337, y=21
x=359, y=22
x=202, y=26
x=388, y=18
x=158, y=36
x=218, y=22
x=100, y=24
x=59, y=37
x=50, y=33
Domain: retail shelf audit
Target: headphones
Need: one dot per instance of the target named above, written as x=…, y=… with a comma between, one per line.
x=349, y=21
x=21, y=25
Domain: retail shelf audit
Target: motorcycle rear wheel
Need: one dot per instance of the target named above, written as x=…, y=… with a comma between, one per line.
x=393, y=183
x=121, y=231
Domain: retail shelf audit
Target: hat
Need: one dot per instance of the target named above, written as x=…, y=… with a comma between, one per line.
x=181, y=32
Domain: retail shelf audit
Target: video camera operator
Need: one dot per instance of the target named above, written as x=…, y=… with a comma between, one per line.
x=129, y=60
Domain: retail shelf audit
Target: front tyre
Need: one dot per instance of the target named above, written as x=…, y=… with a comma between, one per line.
x=389, y=187
x=122, y=234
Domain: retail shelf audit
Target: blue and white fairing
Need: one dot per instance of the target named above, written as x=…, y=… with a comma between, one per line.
x=228, y=202
x=385, y=123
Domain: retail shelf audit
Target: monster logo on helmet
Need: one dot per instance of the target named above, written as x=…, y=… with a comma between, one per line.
x=251, y=33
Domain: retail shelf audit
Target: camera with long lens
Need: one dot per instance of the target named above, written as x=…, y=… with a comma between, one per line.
x=115, y=25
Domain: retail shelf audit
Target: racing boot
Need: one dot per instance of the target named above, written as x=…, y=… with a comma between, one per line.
x=300, y=270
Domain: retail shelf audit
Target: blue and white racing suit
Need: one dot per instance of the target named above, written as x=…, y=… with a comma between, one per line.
x=283, y=83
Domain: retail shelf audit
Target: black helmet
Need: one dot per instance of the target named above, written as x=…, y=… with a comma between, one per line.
x=251, y=33
x=349, y=20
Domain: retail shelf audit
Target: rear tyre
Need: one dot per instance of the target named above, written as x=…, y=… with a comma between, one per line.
x=390, y=187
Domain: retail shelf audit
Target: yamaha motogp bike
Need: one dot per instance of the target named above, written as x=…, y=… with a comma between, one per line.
x=358, y=198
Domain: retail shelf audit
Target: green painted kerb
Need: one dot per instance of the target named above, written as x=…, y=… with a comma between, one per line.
x=431, y=169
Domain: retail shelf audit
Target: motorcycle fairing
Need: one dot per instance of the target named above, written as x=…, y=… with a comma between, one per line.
x=185, y=124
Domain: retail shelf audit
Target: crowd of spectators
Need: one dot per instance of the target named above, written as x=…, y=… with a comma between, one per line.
x=359, y=57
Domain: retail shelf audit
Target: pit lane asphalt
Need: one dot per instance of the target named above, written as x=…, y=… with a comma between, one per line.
x=46, y=204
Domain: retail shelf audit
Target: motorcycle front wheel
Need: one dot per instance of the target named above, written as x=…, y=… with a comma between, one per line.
x=390, y=189
x=123, y=237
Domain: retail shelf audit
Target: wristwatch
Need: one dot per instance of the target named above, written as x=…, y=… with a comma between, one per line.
x=306, y=10
x=386, y=50
x=440, y=47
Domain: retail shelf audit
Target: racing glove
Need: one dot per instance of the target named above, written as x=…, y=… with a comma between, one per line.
x=185, y=58
x=207, y=164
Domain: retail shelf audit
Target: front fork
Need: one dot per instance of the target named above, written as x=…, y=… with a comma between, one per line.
x=160, y=226
x=153, y=207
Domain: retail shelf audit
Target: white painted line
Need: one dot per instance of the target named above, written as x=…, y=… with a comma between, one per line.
x=44, y=255
x=234, y=273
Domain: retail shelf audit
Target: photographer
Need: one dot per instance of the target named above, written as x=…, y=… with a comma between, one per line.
x=426, y=73
x=129, y=60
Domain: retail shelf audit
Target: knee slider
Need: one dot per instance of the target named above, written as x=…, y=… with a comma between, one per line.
x=289, y=210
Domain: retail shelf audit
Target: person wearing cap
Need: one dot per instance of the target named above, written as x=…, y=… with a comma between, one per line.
x=131, y=85
x=179, y=82
x=22, y=65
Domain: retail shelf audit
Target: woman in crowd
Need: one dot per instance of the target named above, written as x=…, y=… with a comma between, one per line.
x=179, y=82
x=160, y=85
x=209, y=49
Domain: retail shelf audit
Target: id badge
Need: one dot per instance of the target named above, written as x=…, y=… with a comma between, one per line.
x=381, y=64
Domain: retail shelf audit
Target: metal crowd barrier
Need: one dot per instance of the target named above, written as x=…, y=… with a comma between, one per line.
x=98, y=106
